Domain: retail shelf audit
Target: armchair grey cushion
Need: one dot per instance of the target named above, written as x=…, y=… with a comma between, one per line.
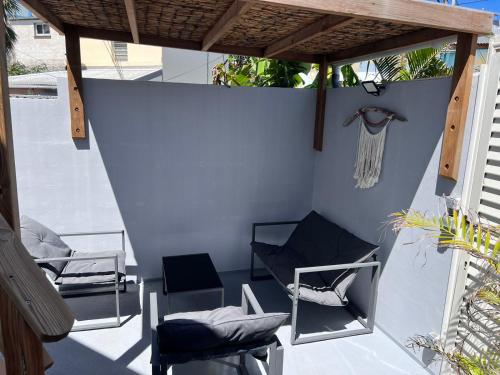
x=226, y=326
x=41, y=243
x=92, y=271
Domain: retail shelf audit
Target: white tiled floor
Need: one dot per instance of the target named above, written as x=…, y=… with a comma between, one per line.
x=126, y=350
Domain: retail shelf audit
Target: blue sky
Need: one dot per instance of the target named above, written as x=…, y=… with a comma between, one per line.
x=489, y=5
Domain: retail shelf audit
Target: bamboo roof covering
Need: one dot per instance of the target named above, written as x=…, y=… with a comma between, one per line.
x=299, y=30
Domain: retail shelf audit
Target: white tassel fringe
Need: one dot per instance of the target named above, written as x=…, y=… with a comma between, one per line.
x=369, y=157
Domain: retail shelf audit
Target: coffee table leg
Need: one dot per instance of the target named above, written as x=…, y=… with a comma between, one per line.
x=164, y=281
x=168, y=304
x=222, y=297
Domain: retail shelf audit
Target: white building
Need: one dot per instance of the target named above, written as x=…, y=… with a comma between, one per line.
x=187, y=66
x=37, y=43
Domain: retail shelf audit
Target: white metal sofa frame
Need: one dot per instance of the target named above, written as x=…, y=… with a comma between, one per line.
x=160, y=365
x=94, y=289
x=368, y=323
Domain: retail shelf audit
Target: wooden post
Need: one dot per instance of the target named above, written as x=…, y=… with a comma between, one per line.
x=319, y=123
x=74, y=70
x=8, y=189
x=458, y=106
x=22, y=349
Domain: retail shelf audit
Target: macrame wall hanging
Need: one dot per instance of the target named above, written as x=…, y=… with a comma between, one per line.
x=371, y=144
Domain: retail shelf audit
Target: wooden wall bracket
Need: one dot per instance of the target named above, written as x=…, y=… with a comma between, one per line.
x=458, y=106
x=75, y=89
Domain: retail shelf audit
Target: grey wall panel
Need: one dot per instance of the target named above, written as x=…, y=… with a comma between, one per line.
x=414, y=278
x=184, y=168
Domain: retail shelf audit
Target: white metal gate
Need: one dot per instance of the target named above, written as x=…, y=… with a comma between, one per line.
x=482, y=196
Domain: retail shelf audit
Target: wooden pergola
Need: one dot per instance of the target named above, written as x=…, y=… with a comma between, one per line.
x=317, y=31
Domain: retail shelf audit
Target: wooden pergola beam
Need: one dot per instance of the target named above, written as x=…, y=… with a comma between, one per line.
x=224, y=24
x=132, y=19
x=387, y=45
x=9, y=207
x=415, y=13
x=75, y=83
x=153, y=40
x=319, y=122
x=322, y=26
x=43, y=13
x=458, y=106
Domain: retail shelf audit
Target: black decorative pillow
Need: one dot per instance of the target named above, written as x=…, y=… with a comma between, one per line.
x=226, y=326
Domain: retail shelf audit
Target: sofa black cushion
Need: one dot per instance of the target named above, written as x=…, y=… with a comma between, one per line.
x=41, y=243
x=321, y=242
x=226, y=326
x=282, y=261
x=316, y=239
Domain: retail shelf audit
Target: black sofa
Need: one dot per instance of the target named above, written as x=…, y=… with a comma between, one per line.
x=318, y=263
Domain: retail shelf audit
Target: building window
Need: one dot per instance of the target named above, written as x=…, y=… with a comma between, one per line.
x=42, y=30
x=120, y=51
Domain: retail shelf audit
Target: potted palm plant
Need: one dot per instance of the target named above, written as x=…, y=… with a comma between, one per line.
x=480, y=312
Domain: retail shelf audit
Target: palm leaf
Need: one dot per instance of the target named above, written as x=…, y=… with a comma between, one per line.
x=10, y=10
x=425, y=63
x=389, y=67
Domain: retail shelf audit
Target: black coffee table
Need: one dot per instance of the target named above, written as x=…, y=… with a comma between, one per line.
x=193, y=273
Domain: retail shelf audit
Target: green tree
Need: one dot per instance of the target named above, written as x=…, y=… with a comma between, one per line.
x=10, y=10
x=260, y=72
x=423, y=63
x=481, y=241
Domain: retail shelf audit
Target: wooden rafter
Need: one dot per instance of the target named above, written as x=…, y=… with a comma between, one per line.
x=458, y=106
x=230, y=18
x=387, y=45
x=408, y=12
x=74, y=71
x=154, y=40
x=132, y=19
x=37, y=8
x=324, y=25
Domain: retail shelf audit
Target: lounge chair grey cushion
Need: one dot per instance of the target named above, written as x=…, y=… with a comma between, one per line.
x=226, y=326
x=94, y=271
x=41, y=243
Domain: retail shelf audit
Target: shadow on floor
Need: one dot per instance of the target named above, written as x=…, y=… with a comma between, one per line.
x=126, y=350
x=79, y=359
x=100, y=306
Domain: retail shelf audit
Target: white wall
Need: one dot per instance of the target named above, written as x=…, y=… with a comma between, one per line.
x=414, y=278
x=183, y=168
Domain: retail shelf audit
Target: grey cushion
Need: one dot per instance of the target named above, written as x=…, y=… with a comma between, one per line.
x=94, y=271
x=329, y=296
x=226, y=326
x=41, y=243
